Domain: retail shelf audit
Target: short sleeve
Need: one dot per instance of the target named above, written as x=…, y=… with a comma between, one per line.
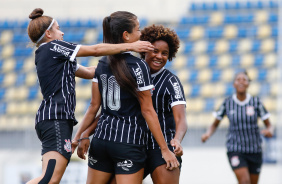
x=219, y=114
x=176, y=91
x=262, y=112
x=64, y=50
x=142, y=75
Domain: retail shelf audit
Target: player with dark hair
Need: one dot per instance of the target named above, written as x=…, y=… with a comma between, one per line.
x=168, y=100
x=243, y=140
x=56, y=69
x=122, y=84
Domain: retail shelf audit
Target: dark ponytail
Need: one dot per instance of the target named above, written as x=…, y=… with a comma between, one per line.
x=113, y=28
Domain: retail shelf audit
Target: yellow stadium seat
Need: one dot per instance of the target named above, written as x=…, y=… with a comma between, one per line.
x=195, y=105
x=23, y=107
x=93, y=61
x=17, y=93
x=179, y=62
x=216, y=18
x=6, y=37
x=264, y=31
x=267, y=45
x=12, y=108
x=8, y=51
x=200, y=47
x=247, y=60
x=33, y=107
x=9, y=79
x=204, y=75
x=224, y=60
x=83, y=92
x=221, y=46
x=31, y=79
x=90, y=36
x=254, y=88
x=253, y=73
x=270, y=103
x=81, y=106
x=202, y=61
x=220, y=89
x=8, y=65
x=270, y=60
x=260, y=16
x=274, y=88
x=181, y=47
x=228, y=75
x=230, y=31
x=197, y=32
x=183, y=74
x=244, y=45
x=272, y=75
x=29, y=65
x=207, y=90
x=187, y=88
x=27, y=122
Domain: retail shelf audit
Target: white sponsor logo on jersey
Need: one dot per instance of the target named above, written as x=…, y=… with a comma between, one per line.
x=139, y=75
x=177, y=90
x=59, y=49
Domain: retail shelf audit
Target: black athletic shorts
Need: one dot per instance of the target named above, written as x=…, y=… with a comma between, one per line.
x=155, y=159
x=55, y=135
x=116, y=158
x=252, y=161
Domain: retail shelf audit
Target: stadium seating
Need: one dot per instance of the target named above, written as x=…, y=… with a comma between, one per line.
x=218, y=39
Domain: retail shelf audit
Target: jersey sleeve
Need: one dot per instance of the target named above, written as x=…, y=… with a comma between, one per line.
x=176, y=91
x=219, y=114
x=141, y=72
x=64, y=50
x=97, y=73
x=262, y=112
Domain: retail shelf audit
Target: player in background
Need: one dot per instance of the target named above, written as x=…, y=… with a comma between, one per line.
x=244, y=137
x=122, y=84
x=168, y=100
x=56, y=69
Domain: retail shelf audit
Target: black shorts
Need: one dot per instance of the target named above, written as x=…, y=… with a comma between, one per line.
x=117, y=158
x=252, y=161
x=55, y=135
x=155, y=159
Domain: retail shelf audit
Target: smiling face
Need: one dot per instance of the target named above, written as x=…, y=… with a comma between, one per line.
x=241, y=83
x=157, y=59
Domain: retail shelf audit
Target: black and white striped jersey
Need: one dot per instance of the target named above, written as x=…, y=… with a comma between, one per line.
x=55, y=66
x=168, y=93
x=121, y=118
x=243, y=133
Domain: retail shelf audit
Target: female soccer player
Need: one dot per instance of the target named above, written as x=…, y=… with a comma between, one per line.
x=56, y=68
x=244, y=141
x=168, y=100
x=122, y=84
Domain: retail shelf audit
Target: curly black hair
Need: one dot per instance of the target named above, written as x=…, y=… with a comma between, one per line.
x=159, y=32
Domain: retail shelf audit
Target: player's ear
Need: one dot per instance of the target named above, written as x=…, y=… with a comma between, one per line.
x=48, y=34
x=125, y=36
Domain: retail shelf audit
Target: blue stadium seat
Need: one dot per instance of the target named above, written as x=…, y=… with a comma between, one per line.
x=183, y=34
x=2, y=76
x=193, y=76
x=3, y=108
x=274, y=31
x=191, y=61
x=242, y=32
x=262, y=74
x=259, y=58
x=20, y=79
x=2, y=93
x=188, y=47
x=256, y=45
x=273, y=17
x=19, y=64
x=213, y=61
x=233, y=45
x=210, y=47
x=201, y=19
x=20, y=36
x=19, y=51
x=264, y=90
x=273, y=4
x=229, y=89
x=216, y=75
x=214, y=32
x=195, y=91
x=235, y=61
x=209, y=105
x=33, y=91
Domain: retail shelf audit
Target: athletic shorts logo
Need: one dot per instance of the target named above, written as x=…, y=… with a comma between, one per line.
x=250, y=110
x=67, y=146
x=92, y=161
x=125, y=165
x=235, y=161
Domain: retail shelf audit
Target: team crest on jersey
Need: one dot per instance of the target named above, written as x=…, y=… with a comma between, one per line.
x=67, y=146
x=177, y=89
x=59, y=49
x=250, y=110
x=125, y=165
x=139, y=75
x=235, y=161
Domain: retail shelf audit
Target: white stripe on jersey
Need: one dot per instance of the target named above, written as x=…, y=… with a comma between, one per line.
x=148, y=73
x=116, y=130
x=128, y=130
x=111, y=129
x=122, y=130
x=50, y=107
x=75, y=53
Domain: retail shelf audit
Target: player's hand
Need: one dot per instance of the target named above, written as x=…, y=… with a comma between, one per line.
x=171, y=161
x=142, y=46
x=178, y=148
x=267, y=133
x=83, y=148
x=205, y=137
x=74, y=144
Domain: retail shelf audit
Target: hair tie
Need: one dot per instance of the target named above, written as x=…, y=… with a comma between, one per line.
x=45, y=31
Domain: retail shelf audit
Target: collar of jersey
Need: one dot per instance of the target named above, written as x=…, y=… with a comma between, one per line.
x=160, y=71
x=42, y=44
x=248, y=97
x=127, y=52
